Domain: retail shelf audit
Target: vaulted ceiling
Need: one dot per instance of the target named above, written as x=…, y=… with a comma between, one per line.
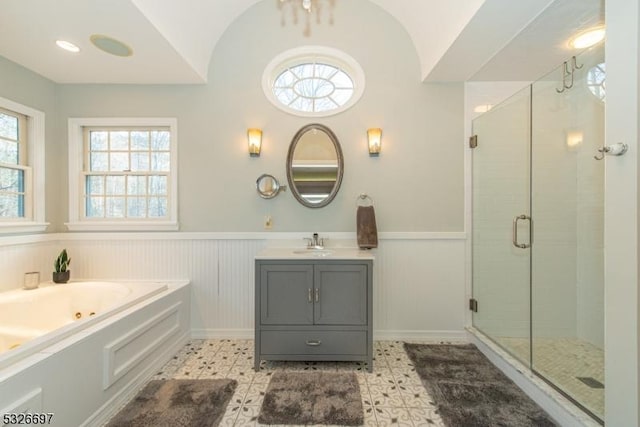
x=455, y=40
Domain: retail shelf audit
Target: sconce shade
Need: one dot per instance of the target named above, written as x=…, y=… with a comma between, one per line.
x=255, y=141
x=374, y=135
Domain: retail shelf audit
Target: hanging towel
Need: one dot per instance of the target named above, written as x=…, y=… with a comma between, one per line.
x=366, y=227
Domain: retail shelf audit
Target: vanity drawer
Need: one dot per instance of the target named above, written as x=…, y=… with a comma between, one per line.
x=313, y=342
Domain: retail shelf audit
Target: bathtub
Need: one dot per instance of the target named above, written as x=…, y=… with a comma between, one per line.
x=33, y=319
x=80, y=350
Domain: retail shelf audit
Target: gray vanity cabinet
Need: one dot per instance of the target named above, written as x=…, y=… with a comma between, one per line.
x=314, y=310
x=341, y=294
x=284, y=286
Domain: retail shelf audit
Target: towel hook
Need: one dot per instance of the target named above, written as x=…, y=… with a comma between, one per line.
x=362, y=198
x=569, y=73
x=574, y=63
x=565, y=73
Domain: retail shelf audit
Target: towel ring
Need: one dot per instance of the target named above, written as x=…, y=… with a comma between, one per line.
x=362, y=198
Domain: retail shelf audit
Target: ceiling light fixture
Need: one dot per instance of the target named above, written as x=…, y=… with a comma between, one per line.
x=68, y=46
x=110, y=45
x=309, y=6
x=587, y=38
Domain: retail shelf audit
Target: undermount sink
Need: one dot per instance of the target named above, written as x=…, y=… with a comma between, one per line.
x=313, y=252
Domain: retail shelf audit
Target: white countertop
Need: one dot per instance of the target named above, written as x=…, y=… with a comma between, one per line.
x=311, y=254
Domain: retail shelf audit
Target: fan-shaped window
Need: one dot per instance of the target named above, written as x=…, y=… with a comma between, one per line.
x=313, y=81
x=596, y=77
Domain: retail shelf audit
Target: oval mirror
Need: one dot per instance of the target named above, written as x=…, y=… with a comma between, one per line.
x=314, y=166
x=268, y=186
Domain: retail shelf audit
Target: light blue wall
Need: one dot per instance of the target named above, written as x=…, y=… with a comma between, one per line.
x=417, y=182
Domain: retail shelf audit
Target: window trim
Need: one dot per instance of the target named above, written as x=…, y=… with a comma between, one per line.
x=35, y=123
x=77, y=220
x=299, y=55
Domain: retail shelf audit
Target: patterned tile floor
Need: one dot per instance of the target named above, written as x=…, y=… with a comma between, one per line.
x=562, y=361
x=391, y=396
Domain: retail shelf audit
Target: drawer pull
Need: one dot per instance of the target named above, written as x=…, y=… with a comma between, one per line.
x=317, y=294
x=309, y=299
x=314, y=343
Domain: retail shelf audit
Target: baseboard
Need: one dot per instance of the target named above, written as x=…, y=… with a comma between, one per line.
x=420, y=336
x=383, y=335
x=563, y=411
x=211, y=334
x=117, y=402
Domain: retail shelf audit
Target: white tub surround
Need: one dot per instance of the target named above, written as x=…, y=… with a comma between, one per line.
x=84, y=376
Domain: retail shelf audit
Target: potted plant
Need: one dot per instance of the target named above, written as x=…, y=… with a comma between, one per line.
x=61, y=274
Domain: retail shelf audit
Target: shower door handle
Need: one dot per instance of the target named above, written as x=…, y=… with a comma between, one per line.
x=515, y=232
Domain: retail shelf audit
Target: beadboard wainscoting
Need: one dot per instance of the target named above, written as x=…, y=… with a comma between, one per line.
x=419, y=278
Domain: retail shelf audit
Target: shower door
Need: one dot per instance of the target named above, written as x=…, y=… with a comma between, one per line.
x=538, y=228
x=501, y=206
x=567, y=277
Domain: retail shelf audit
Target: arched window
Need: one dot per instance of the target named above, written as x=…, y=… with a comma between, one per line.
x=313, y=81
x=596, y=77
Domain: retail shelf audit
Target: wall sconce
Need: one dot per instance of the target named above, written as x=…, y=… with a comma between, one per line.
x=374, y=135
x=255, y=141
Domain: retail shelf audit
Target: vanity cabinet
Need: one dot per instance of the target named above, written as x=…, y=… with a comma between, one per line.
x=314, y=310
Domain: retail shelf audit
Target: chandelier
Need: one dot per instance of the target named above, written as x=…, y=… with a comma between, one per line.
x=308, y=7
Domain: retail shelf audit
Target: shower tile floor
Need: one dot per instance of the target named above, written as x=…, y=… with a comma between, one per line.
x=562, y=361
x=391, y=395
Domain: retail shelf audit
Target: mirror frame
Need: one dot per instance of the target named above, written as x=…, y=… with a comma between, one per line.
x=292, y=148
x=277, y=187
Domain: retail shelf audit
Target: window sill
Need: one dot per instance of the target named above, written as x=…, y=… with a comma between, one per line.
x=122, y=226
x=22, y=227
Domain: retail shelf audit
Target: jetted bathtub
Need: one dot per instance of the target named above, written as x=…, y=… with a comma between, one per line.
x=33, y=319
x=78, y=351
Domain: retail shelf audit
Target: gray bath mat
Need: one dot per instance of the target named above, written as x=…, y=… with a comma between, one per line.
x=470, y=391
x=312, y=398
x=173, y=403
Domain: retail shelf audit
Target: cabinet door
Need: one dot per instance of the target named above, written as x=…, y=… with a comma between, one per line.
x=286, y=294
x=340, y=294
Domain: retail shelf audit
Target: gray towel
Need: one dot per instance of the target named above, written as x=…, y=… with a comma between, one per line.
x=366, y=227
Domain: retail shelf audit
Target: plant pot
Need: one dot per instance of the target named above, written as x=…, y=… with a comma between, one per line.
x=61, y=277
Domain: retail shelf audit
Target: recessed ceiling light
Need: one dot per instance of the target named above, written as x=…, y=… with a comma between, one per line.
x=587, y=38
x=110, y=45
x=68, y=46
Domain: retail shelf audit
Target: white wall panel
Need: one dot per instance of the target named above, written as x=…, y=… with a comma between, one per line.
x=418, y=282
x=419, y=288
x=15, y=260
x=203, y=274
x=236, y=284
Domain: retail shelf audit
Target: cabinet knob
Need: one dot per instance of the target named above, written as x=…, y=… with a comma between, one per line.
x=314, y=343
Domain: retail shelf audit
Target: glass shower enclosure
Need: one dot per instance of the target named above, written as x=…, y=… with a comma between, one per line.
x=538, y=226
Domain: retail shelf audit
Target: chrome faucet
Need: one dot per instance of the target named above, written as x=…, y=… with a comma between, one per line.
x=314, y=242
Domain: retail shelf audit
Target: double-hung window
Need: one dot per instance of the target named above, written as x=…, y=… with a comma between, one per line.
x=125, y=172
x=21, y=168
x=15, y=173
